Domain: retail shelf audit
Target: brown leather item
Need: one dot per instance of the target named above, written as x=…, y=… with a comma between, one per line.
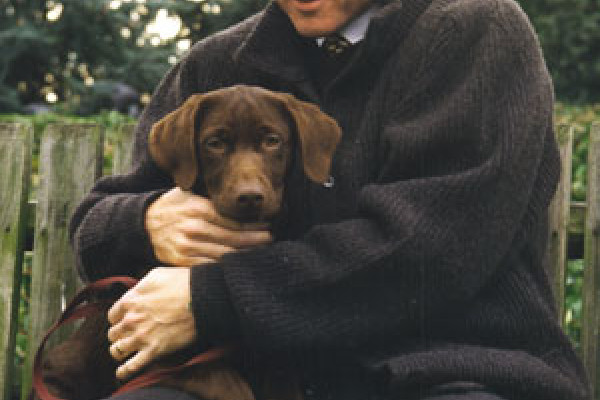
x=85, y=305
x=237, y=142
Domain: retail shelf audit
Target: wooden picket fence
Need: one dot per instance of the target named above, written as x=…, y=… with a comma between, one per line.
x=71, y=159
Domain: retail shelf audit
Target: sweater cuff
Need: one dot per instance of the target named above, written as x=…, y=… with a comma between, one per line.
x=216, y=320
x=145, y=245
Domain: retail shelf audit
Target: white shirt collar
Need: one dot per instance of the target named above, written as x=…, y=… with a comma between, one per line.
x=356, y=29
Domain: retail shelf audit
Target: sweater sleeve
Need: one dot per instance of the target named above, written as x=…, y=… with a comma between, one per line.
x=107, y=230
x=469, y=165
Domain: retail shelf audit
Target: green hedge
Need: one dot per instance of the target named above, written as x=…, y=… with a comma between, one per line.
x=569, y=32
x=581, y=117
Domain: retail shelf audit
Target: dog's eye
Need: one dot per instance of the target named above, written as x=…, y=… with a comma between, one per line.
x=272, y=140
x=215, y=143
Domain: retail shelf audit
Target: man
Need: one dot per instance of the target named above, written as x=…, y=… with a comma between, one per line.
x=417, y=272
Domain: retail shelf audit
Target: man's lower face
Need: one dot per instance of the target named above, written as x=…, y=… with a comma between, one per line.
x=314, y=18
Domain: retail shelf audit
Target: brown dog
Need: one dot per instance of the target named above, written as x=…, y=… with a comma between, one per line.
x=235, y=144
x=241, y=139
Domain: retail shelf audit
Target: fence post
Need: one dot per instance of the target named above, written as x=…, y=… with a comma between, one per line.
x=591, y=281
x=559, y=219
x=70, y=161
x=15, y=157
x=123, y=148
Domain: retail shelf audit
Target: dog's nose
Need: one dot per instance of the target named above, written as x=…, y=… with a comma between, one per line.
x=250, y=199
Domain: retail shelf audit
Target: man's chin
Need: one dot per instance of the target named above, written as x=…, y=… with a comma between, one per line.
x=309, y=31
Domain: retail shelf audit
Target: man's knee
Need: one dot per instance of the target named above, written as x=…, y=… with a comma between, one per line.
x=478, y=395
x=459, y=391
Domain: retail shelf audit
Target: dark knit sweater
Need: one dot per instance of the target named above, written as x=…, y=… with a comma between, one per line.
x=423, y=264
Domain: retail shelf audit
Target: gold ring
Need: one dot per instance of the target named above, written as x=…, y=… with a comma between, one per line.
x=118, y=349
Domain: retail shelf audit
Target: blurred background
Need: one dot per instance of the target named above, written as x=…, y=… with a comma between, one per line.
x=84, y=56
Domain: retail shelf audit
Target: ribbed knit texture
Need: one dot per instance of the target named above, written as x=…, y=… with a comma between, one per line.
x=423, y=264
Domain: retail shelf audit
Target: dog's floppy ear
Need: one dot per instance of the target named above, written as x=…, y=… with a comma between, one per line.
x=318, y=134
x=172, y=142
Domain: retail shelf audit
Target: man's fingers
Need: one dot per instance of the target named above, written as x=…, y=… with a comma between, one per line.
x=215, y=234
x=186, y=230
x=122, y=328
x=116, y=313
x=122, y=349
x=227, y=223
x=134, y=364
x=115, y=332
x=196, y=248
x=196, y=261
x=178, y=260
x=158, y=319
x=248, y=239
x=201, y=208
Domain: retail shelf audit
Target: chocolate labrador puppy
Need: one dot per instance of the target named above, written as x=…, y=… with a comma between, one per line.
x=236, y=146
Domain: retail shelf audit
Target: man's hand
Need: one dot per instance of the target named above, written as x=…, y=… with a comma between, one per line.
x=186, y=230
x=152, y=319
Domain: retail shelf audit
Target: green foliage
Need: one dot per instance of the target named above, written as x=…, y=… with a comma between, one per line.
x=23, y=323
x=573, y=300
x=581, y=117
x=50, y=53
x=73, y=52
x=569, y=32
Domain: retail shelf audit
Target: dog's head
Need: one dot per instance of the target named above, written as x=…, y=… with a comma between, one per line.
x=239, y=140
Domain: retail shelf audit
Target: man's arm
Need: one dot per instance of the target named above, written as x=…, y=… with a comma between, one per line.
x=469, y=165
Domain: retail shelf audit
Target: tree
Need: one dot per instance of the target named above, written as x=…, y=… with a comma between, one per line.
x=78, y=53
x=569, y=32
x=75, y=55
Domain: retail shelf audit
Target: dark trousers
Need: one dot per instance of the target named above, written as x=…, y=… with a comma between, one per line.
x=161, y=393
x=456, y=391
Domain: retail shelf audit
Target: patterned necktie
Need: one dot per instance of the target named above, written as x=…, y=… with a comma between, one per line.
x=335, y=45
